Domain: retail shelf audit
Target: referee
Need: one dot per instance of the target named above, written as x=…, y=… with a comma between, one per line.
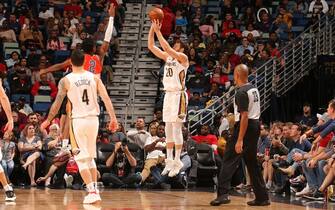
x=244, y=141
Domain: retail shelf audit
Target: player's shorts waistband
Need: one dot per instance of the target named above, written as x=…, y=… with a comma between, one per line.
x=85, y=117
x=175, y=91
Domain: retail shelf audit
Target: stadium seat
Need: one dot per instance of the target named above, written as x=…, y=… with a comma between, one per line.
x=206, y=169
x=41, y=106
x=103, y=152
x=42, y=98
x=16, y=97
x=14, y=45
x=61, y=56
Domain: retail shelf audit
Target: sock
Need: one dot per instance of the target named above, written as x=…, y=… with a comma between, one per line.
x=96, y=186
x=169, y=154
x=177, y=154
x=8, y=188
x=90, y=187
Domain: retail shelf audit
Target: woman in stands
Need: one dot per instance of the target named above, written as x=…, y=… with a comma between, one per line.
x=30, y=147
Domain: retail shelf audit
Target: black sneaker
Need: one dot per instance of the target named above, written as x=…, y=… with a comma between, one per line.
x=10, y=196
x=315, y=195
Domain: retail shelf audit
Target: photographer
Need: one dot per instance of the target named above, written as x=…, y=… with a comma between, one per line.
x=122, y=163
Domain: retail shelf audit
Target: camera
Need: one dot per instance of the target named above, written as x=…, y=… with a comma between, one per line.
x=124, y=142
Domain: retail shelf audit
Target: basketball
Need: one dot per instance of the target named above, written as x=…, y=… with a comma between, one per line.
x=156, y=14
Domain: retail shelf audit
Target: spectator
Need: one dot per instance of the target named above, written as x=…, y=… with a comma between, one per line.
x=250, y=29
x=196, y=101
x=20, y=82
x=14, y=59
x=318, y=7
x=198, y=81
x=265, y=24
x=30, y=146
x=158, y=115
x=65, y=26
x=248, y=16
x=231, y=29
x=54, y=164
x=46, y=12
x=99, y=35
x=214, y=45
x=54, y=43
x=207, y=29
x=23, y=66
x=6, y=33
x=204, y=136
x=89, y=26
x=139, y=135
x=26, y=31
x=287, y=16
x=280, y=27
x=231, y=43
x=155, y=156
x=13, y=24
x=300, y=7
x=8, y=152
x=36, y=73
x=220, y=78
x=227, y=8
x=180, y=19
x=33, y=119
x=245, y=46
x=168, y=22
x=36, y=43
x=306, y=118
x=73, y=7
x=193, y=57
x=122, y=164
x=213, y=91
x=44, y=88
x=118, y=135
x=24, y=107
x=78, y=40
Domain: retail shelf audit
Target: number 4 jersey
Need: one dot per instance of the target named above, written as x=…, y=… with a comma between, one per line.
x=172, y=80
x=82, y=95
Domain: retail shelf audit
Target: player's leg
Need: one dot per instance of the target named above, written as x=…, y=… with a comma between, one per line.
x=178, y=138
x=10, y=195
x=92, y=133
x=169, y=148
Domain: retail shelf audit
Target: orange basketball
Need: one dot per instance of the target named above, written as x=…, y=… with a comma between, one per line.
x=156, y=14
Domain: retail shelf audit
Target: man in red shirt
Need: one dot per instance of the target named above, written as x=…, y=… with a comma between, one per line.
x=168, y=22
x=74, y=7
x=206, y=138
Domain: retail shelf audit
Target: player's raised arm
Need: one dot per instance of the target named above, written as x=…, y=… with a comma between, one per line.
x=56, y=67
x=181, y=57
x=154, y=49
x=62, y=91
x=108, y=33
x=6, y=107
x=108, y=104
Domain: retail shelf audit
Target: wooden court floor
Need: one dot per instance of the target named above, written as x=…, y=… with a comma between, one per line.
x=47, y=199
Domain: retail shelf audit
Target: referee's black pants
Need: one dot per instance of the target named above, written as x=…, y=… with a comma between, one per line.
x=231, y=161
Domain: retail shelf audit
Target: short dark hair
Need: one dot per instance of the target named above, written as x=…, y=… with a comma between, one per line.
x=299, y=127
x=88, y=45
x=77, y=58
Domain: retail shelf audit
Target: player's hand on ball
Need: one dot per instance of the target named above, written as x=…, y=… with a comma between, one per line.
x=45, y=124
x=239, y=147
x=156, y=25
x=111, y=10
x=113, y=125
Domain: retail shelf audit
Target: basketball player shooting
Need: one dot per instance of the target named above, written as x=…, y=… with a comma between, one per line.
x=175, y=99
x=10, y=195
x=81, y=88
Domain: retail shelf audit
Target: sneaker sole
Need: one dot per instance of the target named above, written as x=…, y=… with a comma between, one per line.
x=314, y=199
x=10, y=199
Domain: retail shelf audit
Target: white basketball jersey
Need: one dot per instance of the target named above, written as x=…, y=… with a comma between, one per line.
x=82, y=95
x=171, y=78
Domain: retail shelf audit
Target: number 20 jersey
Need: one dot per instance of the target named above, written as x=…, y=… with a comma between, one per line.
x=171, y=79
x=82, y=95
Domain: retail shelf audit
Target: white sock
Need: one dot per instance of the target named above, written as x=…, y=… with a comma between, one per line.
x=169, y=154
x=8, y=188
x=90, y=187
x=177, y=154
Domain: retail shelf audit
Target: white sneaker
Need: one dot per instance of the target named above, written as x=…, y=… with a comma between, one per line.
x=168, y=166
x=303, y=192
x=177, y=165
x=68, y=181
x=91, y=198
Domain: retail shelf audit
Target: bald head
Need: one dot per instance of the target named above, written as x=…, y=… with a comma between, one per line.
x=241, y=74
